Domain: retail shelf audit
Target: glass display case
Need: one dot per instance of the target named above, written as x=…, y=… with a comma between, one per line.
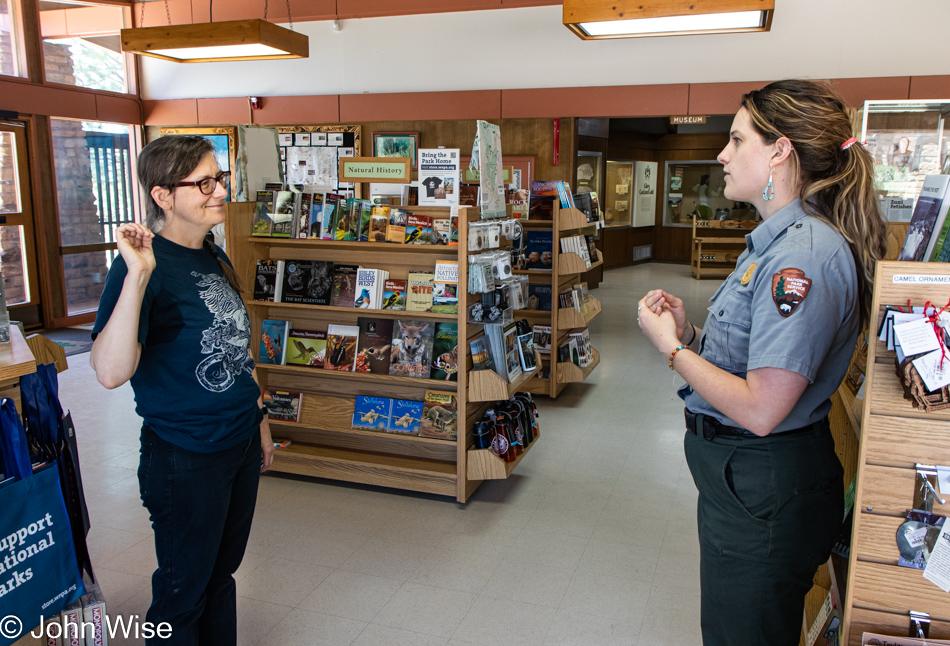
x=588, y=172
x=696, y=187
x=907, y=141
x=618, y=194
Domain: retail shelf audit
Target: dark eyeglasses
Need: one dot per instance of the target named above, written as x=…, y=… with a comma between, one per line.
x=208, y=184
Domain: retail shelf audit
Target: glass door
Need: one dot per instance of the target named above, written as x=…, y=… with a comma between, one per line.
x=17, y=243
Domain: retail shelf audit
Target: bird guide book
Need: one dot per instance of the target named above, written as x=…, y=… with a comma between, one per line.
x=412, y=349
x=418, y=229
x=375, y=345
x=306, y=348
x=369, y=288
x=263, y=224
x=394, y=294
x=371, y=414
x=445, y=352
x=273, y=342
x=341, y=347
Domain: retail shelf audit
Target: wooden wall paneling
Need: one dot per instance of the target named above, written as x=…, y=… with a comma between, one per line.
x=220, y=112
x=300, y=10
x=611, y=101
x=58, y=101
x=46, y=220
x=287, y=110
x=719, y=98
x=618, y=243
x=179, y=12
x=33, y=42
x=117, y=109
x=929, y=87
x=347, y=9
x=418, y=106
x=173, y=112
x=856, y=91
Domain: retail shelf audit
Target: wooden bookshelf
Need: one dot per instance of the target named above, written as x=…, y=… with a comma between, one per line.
x=895, y=437
x=568, y=318
x=569, y=372
x=483, y=464
x=487, y=386
x=323, y=444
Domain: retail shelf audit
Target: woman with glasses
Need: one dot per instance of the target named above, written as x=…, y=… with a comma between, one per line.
x=171, y=322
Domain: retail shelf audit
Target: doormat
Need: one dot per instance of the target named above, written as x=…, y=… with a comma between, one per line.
x=73, y=339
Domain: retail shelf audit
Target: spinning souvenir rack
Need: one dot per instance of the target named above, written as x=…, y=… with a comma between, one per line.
x=566, y=270
x=323, y=444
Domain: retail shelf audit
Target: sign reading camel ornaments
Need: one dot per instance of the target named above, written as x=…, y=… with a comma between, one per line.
x=486, y=153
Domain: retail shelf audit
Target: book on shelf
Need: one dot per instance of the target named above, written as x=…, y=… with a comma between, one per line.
x=282, y=405
x=495, y=335
x=442, y=231
x=396, y=229
x=273, y=342
x=584, y=204
x=418, y=229
x=267, y=275
x=354, y=215
x=512, y=354
x=445, y=352
x=286, y=207
x=405, y=416
x=468, y=195
x=453, y=230
x=369, y=288
x=518, y=200
x=263, y=222
x=420, y=291
x=538, y=249
x=341, y=347
x=445, y=282
x=525, y=341
x=564, y=195
x=539, y=297
x=541, y=201
x=344, y=285
x=371, y=413
x=929, y=214
x=595, y=207
x=394, y=294
x=333, y=207
x=542, y=339
x=302, y=230
x=379, y=221
x=439, y=416
x=581, y=337
x=306, y=347
x=481, y=354
x=412, y=349
x=365, y=220
x=567, y=352
x=309, y=282
x=316, y=217
x=375, y=345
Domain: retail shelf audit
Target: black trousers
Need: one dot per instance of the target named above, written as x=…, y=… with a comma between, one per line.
x=769, y=511
x=201, y=506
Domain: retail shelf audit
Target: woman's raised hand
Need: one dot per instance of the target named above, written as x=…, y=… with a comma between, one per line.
x=658, y=301
x=135, y=245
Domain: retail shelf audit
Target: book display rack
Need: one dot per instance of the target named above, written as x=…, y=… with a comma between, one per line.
x=895, y=439
x=714, y=256
x=324, y=443
x=566, y=271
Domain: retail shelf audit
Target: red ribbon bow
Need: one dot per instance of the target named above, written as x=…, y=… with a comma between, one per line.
x=934, y=319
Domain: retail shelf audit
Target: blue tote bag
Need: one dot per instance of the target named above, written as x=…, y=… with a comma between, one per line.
x=39, y=575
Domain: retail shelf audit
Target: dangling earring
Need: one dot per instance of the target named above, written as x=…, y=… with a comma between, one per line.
x=769, y=191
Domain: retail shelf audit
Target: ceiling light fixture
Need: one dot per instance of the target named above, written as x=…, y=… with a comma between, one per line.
x=601, y=19
x=233, y=40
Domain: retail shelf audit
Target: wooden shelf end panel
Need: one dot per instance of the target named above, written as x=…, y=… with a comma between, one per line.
x=572, y=220
x=348, y=466
x=568, y=318
x=570, y=263
x=487, y=386
x=568, y=372
x=485, y=465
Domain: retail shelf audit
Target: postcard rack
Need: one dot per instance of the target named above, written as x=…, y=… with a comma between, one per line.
x=567, y=270
x=895, y=438
x=323, y=444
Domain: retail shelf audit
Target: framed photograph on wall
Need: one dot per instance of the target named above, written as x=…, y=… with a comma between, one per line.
x=224, y=139
x=397, y=144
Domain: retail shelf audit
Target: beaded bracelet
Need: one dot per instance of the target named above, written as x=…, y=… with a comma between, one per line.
x=682, y=347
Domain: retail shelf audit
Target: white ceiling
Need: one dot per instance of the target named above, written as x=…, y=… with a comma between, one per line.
x=530, y=48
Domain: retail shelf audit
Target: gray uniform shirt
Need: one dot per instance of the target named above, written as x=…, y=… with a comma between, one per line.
x=791, y=303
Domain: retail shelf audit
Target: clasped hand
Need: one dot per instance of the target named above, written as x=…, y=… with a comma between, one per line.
x=135, y=245
x=662, y=317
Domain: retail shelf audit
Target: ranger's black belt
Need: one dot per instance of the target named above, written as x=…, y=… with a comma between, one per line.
x=709, y=427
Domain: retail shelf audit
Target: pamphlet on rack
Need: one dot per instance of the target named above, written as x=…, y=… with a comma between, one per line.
x=491, y=178
x=438, y=176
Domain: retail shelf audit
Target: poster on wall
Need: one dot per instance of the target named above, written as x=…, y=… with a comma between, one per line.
x=310, y=155
x=491, y=181
x=438, y=176
x=644, y=194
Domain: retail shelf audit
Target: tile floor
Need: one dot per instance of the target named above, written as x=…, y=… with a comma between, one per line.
x=592, y=541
